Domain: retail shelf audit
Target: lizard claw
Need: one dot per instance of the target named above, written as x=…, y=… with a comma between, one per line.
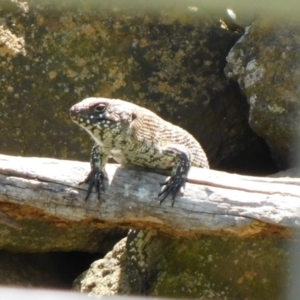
x=94, y=179
x=179, y=175
x=171, y=186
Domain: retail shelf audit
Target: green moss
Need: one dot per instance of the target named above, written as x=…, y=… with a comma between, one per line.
x=41, y=236
x=223, y=268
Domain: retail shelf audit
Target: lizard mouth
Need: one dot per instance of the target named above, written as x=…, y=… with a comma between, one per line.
x=79, y=116
x=76, y=115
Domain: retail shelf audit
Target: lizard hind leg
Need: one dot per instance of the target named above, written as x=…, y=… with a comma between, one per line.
x=178, y=177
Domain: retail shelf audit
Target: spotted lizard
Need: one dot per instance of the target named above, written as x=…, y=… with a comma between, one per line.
x=135, y=136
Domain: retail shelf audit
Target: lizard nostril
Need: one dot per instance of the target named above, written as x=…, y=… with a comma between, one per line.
x=74, y=110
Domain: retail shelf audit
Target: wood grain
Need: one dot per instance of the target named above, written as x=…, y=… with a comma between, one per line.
x=213, y=202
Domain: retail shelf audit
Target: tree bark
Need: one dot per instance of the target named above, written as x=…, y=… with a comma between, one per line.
x=213, y=202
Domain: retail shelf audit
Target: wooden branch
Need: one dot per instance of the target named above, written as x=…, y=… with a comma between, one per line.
x=213, y=202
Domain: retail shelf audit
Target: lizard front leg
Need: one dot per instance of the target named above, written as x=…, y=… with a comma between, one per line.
x=96, y=176
x=178, y=177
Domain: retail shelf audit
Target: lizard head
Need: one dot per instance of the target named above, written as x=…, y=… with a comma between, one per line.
x=101, y=113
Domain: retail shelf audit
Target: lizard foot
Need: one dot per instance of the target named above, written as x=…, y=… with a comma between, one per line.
x=171, y=186
x=178, y=177
x=94, y=179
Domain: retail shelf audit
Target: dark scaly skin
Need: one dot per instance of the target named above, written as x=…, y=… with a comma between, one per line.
x=135, y=136
x=136, y=242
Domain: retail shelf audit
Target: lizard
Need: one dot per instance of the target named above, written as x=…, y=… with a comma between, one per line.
x=135, y=136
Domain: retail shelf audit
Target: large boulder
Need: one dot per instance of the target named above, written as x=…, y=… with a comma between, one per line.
x=266, y=62
x=169, y=59
x=203, y=268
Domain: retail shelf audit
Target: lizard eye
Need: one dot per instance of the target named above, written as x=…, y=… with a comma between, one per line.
x=100, y=108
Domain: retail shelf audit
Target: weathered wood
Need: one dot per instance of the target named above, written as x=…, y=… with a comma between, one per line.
x=213, y=202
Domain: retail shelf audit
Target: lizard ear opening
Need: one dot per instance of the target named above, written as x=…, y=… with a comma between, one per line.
x=134, y=116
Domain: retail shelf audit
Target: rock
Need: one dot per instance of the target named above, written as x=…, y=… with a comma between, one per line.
x=169, y=59
x=107, y=276
x=206, y=268
x=38, y=235
x=290, y=173
x=265, y=62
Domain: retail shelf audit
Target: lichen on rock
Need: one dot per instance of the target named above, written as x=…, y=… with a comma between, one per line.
x=265, y=62
x=10, y=44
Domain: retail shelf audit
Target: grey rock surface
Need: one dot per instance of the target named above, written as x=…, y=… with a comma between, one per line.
x=266, y=63
x=169, y=59
x=205, y=268
x=108, y=276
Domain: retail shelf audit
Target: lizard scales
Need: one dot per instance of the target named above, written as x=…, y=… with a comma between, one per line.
x=135, y=136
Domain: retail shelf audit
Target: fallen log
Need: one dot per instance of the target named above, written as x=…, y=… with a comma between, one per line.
x=213, y=202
